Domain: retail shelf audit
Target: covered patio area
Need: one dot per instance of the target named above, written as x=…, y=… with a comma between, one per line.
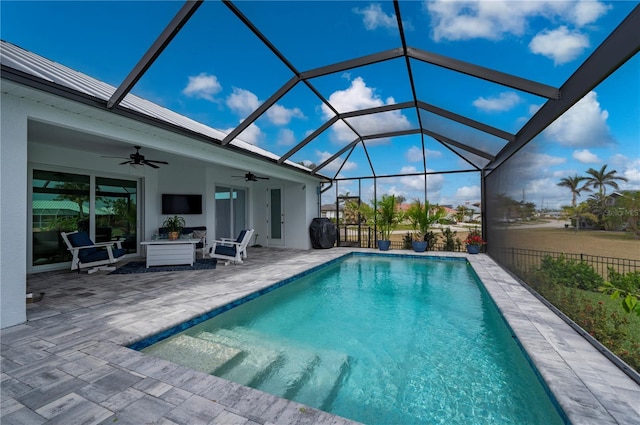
x=68, y=363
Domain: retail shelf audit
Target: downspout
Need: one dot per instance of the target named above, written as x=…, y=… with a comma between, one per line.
x=326, y=188
x=322, y=190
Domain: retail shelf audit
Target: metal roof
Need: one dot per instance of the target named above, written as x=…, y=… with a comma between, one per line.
x=27, y=68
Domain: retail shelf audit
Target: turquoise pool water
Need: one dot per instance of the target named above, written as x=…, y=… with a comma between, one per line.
x=376, y=339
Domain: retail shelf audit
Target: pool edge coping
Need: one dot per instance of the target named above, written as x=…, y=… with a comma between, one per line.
x=498, y=283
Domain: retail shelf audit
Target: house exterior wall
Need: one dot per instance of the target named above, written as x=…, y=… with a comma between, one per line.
x=13, y=210
x=20, y=154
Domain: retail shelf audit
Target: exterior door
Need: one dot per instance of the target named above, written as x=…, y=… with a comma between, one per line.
x=231, y=211
x=106, y=208
x=275, y=216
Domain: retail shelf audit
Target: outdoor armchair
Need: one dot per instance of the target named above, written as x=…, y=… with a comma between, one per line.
x=232, y=250
x=87, y=254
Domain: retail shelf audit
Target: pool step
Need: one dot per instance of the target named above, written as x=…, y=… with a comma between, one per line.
x=282, y=378
x=323, y=385
x=308, y=376
x=195, y=353
x=247, y=368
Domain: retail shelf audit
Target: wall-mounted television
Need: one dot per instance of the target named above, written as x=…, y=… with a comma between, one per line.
x=181, y=204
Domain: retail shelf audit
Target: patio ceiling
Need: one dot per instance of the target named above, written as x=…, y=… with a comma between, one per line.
x=416, y=109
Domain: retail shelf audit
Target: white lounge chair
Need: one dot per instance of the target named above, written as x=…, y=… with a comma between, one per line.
x=232, y=250
x=87, y=254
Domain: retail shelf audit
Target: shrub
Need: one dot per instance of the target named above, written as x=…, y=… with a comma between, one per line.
x=406, y=241
x=432, y=240
x=570, y=273
x=597, y=316
x=628, y=282
x=451, y=242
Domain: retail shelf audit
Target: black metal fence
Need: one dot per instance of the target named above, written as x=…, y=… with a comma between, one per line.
x=365, y=237
x=528, y=260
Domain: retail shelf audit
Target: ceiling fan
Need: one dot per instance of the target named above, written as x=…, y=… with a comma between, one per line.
x=138, y=159
x=250, y=177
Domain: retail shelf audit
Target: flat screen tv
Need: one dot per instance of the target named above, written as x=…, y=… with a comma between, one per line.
x=181, y=204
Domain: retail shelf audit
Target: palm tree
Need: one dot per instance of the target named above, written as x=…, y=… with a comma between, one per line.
x=602, y=178
x=573, y=184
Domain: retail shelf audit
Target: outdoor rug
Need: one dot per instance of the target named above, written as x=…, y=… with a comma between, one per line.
x=141, y=267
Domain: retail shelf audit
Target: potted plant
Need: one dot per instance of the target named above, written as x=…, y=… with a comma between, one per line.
x=422, y=217
x=474, y=241
x=174, y=226
x=387, y=218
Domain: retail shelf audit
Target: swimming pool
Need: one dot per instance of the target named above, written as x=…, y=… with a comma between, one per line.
x=378, y=340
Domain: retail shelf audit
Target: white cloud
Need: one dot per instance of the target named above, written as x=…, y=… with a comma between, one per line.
x=280, y=115
x=463, y=20
x=587, y=12
x=373, y=17
x=335, y=164
x=468, y=193
x=627, y=167
x=633, y=175
x=582, y=126
x=242, y=102
x=533, y=108
x=308, y=163
x=503, y=102
x=560, y=44
x=202, y=86
x=414, y=154
x=359, y=96
x=431, y=154
x=435, y=182
x=286, y=137
x=585, y=156
x=529, y=165
x=251, y=134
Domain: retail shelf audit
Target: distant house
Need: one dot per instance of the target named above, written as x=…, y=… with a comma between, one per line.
x=613, y=197
x=329, y=211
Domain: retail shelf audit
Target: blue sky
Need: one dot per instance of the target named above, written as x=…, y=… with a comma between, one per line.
x=217, y=72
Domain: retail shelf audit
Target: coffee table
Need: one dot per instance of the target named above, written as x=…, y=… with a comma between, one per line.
x=165, y=252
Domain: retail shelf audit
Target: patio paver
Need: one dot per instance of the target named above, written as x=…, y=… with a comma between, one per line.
x=68, y=363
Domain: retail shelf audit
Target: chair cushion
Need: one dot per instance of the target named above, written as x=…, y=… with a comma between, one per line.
x=241, y=236
x=100, y=255
x=229, y=251
x=80, y=239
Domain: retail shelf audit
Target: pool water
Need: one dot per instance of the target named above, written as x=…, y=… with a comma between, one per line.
x=375, y=339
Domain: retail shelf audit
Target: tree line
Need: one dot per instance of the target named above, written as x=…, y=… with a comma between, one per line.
x=598, y=210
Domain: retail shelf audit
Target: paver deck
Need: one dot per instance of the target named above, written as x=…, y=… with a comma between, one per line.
x=69, y=363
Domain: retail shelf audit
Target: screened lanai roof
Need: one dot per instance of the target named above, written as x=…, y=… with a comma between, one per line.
x=350, y=89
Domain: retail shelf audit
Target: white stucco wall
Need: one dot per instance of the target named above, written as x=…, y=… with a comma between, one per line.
x=191, y=172
x=13, y=210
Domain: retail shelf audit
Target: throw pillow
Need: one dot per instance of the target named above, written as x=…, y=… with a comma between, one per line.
x=199, y=234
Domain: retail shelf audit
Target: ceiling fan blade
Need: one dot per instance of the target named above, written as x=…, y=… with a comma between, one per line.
x=146, y=162
x=157, y=162
x=117, y=157
x=126, y=162
x=263, y=178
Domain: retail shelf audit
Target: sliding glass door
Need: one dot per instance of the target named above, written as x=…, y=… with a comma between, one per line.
x=106, y=208
x=231, y=211
x=116, y=212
